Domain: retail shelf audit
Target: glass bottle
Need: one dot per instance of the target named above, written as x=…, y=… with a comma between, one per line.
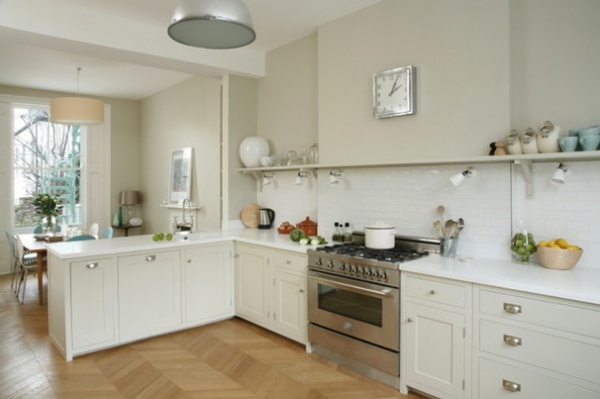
x=347, y=233
x=313, y=154
x=336, y=232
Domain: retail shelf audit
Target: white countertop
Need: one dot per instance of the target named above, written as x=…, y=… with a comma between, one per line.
x=78, y=249
x=579, y=284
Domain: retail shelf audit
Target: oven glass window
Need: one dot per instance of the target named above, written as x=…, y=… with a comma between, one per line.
x=350, y=304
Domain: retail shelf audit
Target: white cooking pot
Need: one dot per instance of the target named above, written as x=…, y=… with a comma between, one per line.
x=380, y=236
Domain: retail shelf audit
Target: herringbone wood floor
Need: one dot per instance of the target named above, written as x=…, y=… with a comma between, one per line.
x=230, y=359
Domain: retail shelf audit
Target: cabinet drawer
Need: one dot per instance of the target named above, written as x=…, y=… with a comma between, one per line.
x=436, y=291
x=498, y=380
x=558, y=315
x=289, y=260
x=545, y=350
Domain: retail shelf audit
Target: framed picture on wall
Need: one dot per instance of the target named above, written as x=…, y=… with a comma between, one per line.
x=180, y=184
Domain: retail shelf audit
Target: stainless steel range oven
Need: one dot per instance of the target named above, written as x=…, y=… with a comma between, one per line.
x=354, y=304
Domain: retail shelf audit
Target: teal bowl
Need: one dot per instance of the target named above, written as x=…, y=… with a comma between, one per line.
x=585, y=131
x=568, y=144
x=589, y=142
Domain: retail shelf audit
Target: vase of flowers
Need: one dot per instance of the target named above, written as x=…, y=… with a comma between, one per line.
x=49, y=207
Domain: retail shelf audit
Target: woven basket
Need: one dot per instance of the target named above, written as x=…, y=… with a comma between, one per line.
x=558, y=258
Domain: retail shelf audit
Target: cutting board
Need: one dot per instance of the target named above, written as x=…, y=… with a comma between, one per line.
x=249, y=215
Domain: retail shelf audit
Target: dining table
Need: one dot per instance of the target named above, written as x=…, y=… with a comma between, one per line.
x=32, y=244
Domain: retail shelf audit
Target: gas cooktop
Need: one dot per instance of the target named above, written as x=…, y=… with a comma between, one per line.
x=392, y=255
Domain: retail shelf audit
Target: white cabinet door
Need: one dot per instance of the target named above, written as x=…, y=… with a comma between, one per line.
x=92, y=303
x=149, y=294
x=289, y=305
x=207, y=283
x=435, y=350
x=251, y=284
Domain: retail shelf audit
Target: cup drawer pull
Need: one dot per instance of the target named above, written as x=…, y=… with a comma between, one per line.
x=512, y=341
x=150, y=258
x=512, y=308
x=91, y=265
x=511, y=386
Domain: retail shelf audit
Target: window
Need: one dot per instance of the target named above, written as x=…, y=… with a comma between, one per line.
x=47, y=158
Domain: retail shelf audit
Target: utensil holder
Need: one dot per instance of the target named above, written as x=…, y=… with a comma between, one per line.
x=448, y=247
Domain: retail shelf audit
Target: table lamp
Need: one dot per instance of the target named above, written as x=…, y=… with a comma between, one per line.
x=130, y=198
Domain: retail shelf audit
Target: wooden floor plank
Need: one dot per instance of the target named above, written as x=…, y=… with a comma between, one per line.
x=231, y=359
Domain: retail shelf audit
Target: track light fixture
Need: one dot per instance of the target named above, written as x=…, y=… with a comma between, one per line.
x=559, y=176
x=335, y=176
x=458, y=178
x=267, y=178
x=300, y=178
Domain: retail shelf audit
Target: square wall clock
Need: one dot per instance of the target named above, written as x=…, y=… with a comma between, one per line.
x=394, y=92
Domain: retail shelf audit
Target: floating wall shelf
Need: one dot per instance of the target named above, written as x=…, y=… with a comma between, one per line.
x=524, y=160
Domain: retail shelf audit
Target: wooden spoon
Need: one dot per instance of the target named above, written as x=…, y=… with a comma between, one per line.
x=440, y=212
x=439, y=229
x=460, y=226
x=450, y=228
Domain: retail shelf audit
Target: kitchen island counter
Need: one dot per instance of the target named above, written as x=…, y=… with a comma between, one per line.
x=578, y=284
x=77, y=249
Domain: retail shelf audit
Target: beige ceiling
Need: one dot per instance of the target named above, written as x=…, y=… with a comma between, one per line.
x=123, y=48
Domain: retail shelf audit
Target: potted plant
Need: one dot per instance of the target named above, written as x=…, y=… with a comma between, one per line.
x=49, y=206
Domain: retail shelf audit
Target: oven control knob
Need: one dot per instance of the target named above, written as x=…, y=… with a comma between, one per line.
x=347, y=326
x=342, y=267
x=330, y=264
x=367, y=271
x=318, y=262
x=360, y=270
x=353, y=268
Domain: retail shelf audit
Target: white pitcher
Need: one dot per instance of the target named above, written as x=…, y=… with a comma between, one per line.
x=513, y=143
x=547, y=137
x=529, y=142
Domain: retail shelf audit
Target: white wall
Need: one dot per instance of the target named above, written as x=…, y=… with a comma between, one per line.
x=461, y=54
x=185, y=115
x=484, y=67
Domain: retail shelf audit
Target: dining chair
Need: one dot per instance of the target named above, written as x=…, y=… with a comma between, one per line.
x=108, y=232
x=93, y=230
x=82, y=237
x=28, y=258
x=38, y=229
x=24, y=269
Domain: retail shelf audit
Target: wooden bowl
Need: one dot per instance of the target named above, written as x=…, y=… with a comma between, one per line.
x=558, y=258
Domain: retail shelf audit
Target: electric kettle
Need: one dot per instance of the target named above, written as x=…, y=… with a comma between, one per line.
x=266, y=217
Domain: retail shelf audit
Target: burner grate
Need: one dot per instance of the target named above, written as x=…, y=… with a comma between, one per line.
x=393, y=255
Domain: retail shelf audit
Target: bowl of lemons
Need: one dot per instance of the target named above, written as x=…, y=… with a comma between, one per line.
x=558, y=254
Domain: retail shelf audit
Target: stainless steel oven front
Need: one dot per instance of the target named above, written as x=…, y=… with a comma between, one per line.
x=359, y=309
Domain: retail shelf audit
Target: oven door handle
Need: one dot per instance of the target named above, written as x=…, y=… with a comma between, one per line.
x=386, y=292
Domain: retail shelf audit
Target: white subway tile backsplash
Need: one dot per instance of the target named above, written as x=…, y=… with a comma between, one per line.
x=490, y=202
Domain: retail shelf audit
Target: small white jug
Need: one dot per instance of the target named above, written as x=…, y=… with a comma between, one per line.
x=529, y=142
x=547, y=137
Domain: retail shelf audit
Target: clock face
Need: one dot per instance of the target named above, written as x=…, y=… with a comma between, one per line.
x=393, y=92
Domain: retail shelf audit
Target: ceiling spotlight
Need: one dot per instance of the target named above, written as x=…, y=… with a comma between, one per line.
x=559, y=176
x=213, y=24
x=300, y=177
x=335, y=176
x=267, y=178
x=458, y=178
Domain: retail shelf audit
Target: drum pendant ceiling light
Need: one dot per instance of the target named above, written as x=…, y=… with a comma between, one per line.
x=212, y=24
x=76, y=110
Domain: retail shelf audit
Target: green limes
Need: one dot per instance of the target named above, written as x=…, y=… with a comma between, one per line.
x=522, y=246
x=162, y=236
